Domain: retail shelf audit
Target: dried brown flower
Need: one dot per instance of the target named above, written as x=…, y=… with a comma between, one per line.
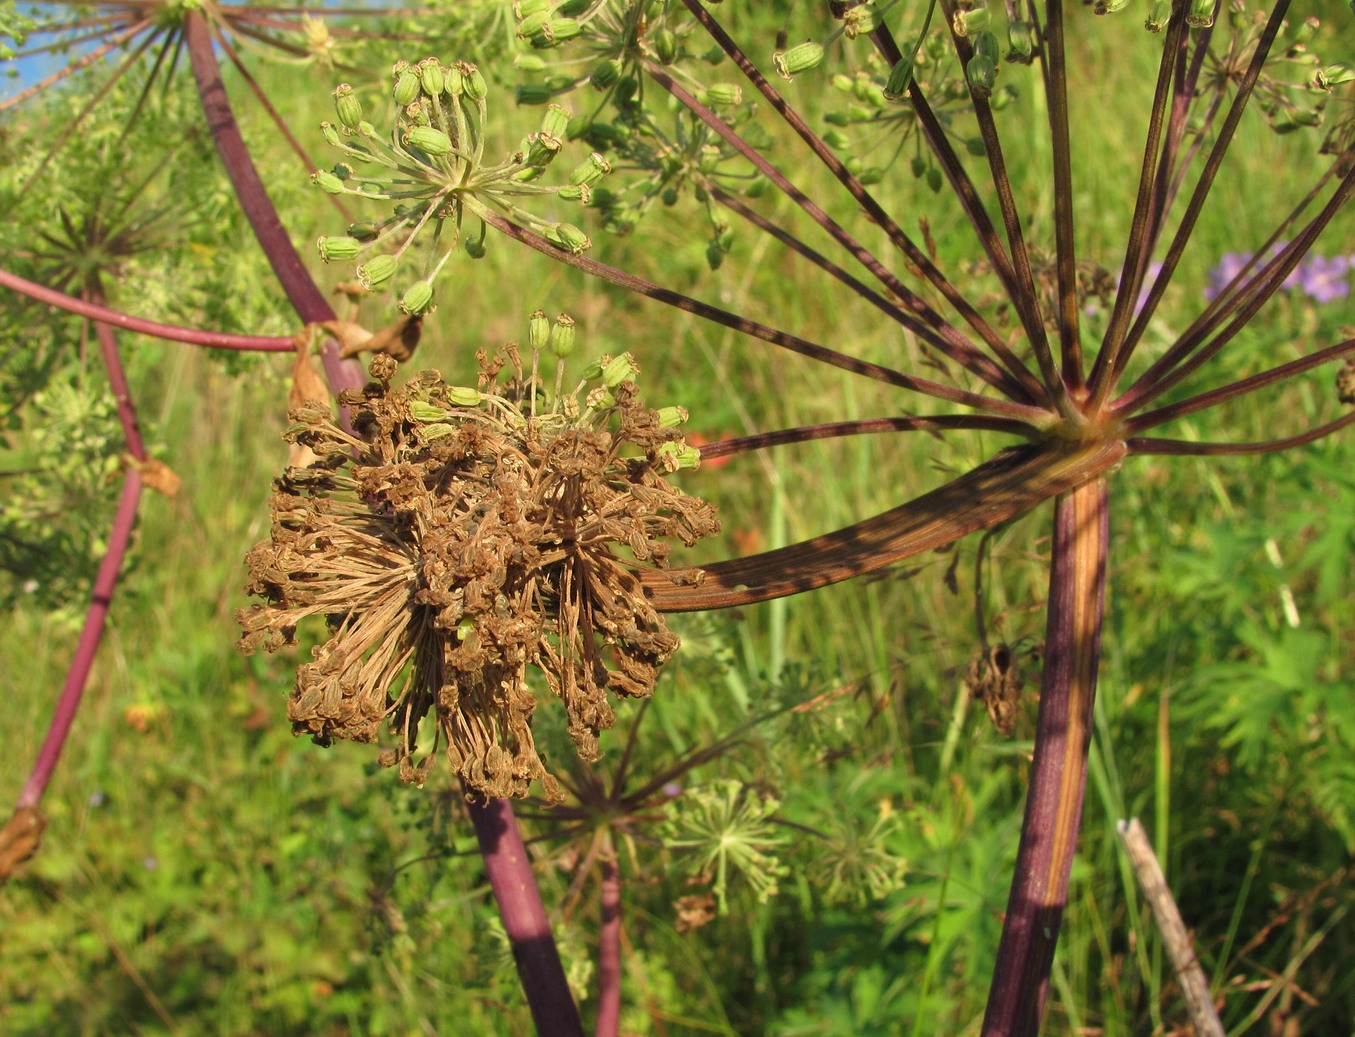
x=460, y=538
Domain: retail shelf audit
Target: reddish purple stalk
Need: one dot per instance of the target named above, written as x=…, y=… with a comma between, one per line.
x=1058, y=772
x=169, y=332
x=88, y=645
x=524, y=919
x=609, y=944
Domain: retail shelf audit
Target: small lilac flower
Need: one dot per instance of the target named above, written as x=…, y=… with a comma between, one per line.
x=1149, y=277
x=1229, y=267
x=97, y=798
x=150, y=863
x=672, y=789
x=1325, y=279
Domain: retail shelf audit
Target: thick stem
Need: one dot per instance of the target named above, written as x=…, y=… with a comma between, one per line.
x=90, y=635
x=524, y=919
x=1058, y=774
x=609, y=944
x=309, y=302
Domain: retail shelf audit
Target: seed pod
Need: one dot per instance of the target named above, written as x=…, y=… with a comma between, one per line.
x=538, y=331
x=327, y=182
x=568, y=237
x=971, y=22
x=562, y=336
x=431, y=76
x=423, y=411
x=331, y=135
x=800, y=58
x=899, y=78
x=418, y=298
x=1158, y=16
x=338, y=249
x=348, y=106
x=1201, y=14
x=723, y=94
x=665, y=45
x=1021, y=43
x=432, y=142
x=463, y=396
x=364, y=230
x=860, y=21
x=531, y=93
x=676, y=455
x=406, y=87
x=376, y=270
x=474, y=82
x=555, y=123
x=982, y=73
x=672, y=417
x=606, y=74
x=1332, y=76
x=619, y=369
x=590, y=170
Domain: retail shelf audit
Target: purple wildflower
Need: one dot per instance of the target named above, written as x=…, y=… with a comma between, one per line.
x=1325, y=279
x=1222, y=275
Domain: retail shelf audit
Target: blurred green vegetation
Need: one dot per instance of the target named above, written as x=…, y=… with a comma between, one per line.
x=205, y=873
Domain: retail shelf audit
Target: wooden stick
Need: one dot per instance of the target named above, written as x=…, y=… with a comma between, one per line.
x=1193, y=983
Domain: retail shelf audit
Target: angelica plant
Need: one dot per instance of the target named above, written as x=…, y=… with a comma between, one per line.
x=460, y=542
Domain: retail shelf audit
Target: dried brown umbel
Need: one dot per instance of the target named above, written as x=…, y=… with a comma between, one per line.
x=462, y=537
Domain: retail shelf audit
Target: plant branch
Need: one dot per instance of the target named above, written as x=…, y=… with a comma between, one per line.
x=1058, y=773
x=1056, y=88
x=863, y=197
x=105, y=581
x=169, y=332
x=962, y=353
x=784, y=339
x=997, y=491
x=1136, y=254
x=1191, y=215
x=307, y=299
x=865, y=426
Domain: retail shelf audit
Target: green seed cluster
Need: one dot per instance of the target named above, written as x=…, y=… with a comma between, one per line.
x=433, y=171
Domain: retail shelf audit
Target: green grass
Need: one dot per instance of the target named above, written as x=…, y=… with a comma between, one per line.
x=204, y=873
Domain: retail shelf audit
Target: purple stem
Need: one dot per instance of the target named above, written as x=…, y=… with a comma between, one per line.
x=524, y=919
x=609, y=945
x=117, y=380
x=309, y=302
x=1058, y=773
x=170, y=332
x=104, y=583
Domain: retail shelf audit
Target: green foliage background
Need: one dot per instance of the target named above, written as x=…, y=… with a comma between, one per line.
x=204, y=873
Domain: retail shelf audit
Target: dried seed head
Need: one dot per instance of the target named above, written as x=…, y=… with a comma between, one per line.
x=465, y=541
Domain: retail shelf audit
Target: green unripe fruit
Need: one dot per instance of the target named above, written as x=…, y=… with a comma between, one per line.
x=376, y=270
x=406, y=88
x=562, y=335
x=418, y=298
x=723, y=94
x=619, y=369
x=327, y=182
x=432, y=142
x=464, y=396
x=800, y=58
x=568, y=237
x=431, y=77
x=338, y=249
x=665, y=46
x=348, y=106
x=538, y=331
